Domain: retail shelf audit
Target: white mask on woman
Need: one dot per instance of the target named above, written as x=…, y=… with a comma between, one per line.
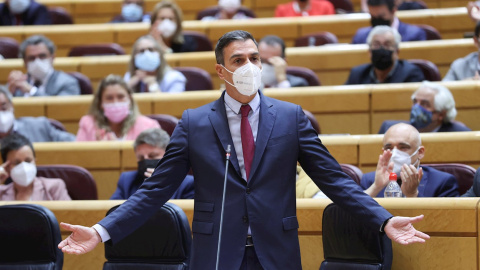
x=167, y=28
x=148, y=61
x=24, y=173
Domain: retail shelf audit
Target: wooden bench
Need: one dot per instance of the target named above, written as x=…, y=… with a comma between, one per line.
x=452, y=224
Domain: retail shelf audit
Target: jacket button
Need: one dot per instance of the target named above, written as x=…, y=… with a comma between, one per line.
x=245, y=219
x=248, y=191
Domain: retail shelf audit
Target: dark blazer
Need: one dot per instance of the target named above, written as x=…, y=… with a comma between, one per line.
x=434, y=183
x=404, y=72
x=474, y=191
x=127, y=185
x=266, y=202
x=446, y=127
x=39, y=129
x=36, y=14
x=189, y=45
x=407, y=31
x=59, y=84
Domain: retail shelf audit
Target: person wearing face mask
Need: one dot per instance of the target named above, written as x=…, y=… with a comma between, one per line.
x=385, y=67
x=35, y=129
x=433, y=110
x=274, y=66
x=382, y=12
x=149, y=72
x=149, y=149
x=113, y=114
x=132, y=11
x=166, y=28
x=263, y=138
x=24, y=12
x=402, y=152
x=228, y=10
x=41, y=79
x=304, y=8
x=20, y=174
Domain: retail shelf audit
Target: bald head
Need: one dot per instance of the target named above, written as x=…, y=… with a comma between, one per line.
x=404, y=137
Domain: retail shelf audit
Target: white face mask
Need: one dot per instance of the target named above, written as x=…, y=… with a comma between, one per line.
x=18, y=6
x=246, y=79
x=6, y=121
x=167, y=28
x=229, y=6
x=269, y=77
x=148, y=61
x=132, y=12
x=399, y=158
x=24, y=173
x=39, y=68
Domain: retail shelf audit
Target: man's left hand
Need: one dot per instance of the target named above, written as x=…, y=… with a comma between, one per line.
x=410, y=180
x=280, y=68
x=401, y=230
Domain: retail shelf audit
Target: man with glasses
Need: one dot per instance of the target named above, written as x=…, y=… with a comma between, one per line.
x=385, y=67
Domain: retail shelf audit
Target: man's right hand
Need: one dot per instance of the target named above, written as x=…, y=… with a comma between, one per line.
x=18, y=80
x=82, y=240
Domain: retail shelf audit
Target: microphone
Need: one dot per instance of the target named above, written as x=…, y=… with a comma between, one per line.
x=227, y=155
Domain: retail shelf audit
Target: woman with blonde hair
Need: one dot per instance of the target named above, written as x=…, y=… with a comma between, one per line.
x=113, y=114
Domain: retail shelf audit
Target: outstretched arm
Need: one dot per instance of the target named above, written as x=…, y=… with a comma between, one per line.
x=401, y=230
x=82, y=240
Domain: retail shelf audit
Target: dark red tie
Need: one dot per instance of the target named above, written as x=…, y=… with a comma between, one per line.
x=248, y=144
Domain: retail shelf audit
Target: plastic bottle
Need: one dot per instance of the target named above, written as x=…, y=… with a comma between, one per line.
x=393, y=190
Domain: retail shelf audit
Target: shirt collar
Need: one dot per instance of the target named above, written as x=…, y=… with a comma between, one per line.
x=234, y=105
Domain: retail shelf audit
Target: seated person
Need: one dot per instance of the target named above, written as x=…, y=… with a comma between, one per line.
x=149, y=149
x=433, y=110
x=113, y=114
x=20, y=174
x=23, y=12
x=298, y=8
x=474, y=191
x=148, y=70
x=466, y=68
x=382, y=12
x=383, y=42
x=166, y=28
x=132, y=11
x=41, y=79
x=229, y=10
x=35, y=129
x=402, y=152
x=400, y=4
x=272, y=55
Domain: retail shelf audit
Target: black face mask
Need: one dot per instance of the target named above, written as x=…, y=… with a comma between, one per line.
x=143, y=165
x=382, y=59
x=376, y=21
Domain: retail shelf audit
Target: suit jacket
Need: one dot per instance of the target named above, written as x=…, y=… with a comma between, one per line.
x=59, y=84
x=44, y=189
x=127, y=185
x=434, y=183
x=296, y=81
x=407, y=31
x=39, y=129
x=266, y=202
x=36, y=14
x=404, y=72
x=445, y=127
x=474, y=191
x=463, y=68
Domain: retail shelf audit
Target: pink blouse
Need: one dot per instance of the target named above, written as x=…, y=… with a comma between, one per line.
x=44, y=189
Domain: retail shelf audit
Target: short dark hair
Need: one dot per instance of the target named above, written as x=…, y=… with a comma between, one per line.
x=389, y=3
x=477, y=29
x=229, y=38
x=274, y=40
x=35, y=40
x=156, y=137
x=14, y=142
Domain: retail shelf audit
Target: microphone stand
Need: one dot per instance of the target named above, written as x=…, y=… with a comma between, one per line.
x=223, y=204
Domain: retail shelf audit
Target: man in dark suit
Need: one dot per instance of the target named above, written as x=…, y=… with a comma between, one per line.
x=41, y=79
x=474, y=191
x=382, y=12
x=385, y=67
x=149, y=147
x=405, y=144
x=267, y=137
x=274, y=64
x=23, y=12
x=433, y=110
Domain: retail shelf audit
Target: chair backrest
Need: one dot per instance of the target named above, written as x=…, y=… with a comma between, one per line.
x=353, y=171
x=429, y=69
x=313, y=121
x=197, y=78
x=203, y=43
x=84, y=82
x=342, y=6
x=80, y=183
x=350, y=245
x=167, y=122
x=97, y=49
x=60, y=16
x=163, y=243
x=29, y=235
x=211, y=11
x=8, y=47
x=463, y=173
x=316, y=39
x=305, y=73
x=430, y=31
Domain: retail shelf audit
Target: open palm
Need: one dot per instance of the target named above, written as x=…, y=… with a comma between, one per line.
x=82, y=240
x=401, y=230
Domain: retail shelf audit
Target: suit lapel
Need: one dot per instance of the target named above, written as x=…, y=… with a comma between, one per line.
x=218, y=118
x=49, y=84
